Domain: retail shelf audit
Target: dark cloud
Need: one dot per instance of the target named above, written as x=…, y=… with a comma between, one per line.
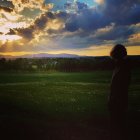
x=7, y=6
x=62, y=15
x=121, y=12
x=39, y=25
x=109, y=35
x=72, y=24
x=67, y=5
x=119, y=32
x=6, y=3
x=134, y=15
x=6, y=9
x=81, y=5
x=27, y=33
x=11, y=32
x=87, y=20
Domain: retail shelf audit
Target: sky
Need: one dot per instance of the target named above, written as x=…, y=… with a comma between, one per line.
x=83, y=27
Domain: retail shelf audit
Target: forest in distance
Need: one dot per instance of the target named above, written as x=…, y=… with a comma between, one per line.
x=79, y=64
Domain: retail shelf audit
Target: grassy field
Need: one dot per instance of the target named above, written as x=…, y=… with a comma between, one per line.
x=61, y=106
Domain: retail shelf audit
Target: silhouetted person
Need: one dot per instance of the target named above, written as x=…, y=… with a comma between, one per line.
x=118, y=99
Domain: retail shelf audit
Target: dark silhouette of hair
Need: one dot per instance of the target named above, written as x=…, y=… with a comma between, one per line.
x=118, y=52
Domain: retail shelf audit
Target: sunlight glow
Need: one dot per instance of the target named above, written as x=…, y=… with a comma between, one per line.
x=10, y=16
x=5, y=38
x=99, y=1
x=11, y=25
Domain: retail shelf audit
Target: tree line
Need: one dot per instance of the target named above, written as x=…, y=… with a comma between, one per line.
x=80, y=64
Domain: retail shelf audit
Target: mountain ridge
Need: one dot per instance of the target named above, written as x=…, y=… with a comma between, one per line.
x=42, y=55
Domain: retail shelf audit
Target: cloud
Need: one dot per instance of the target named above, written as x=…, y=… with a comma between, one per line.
x=134, y=39
x=105, y=30
x=114, y=33
x=86, y=19
x=6, y=3
x=90, y=19
x=81, y=5
x=120, y=12
x=19, y=5
x=44, y=22
x=74, y=6
x=28, y=33
x=123, y=12
x=91, y=25
x=135, y=27
x=78, y=25
x=6, y=9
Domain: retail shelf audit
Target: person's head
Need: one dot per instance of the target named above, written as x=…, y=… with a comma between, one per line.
x=118, y=52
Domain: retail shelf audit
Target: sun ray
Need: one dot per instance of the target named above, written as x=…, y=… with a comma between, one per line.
x=9, y=38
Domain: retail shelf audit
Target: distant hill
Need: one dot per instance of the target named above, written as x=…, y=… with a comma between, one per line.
x=42, y=55
x=62, y=55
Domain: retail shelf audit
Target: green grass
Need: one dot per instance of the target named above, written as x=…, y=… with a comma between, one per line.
x=55, y=95
x=60, y=95
x=58, y=102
